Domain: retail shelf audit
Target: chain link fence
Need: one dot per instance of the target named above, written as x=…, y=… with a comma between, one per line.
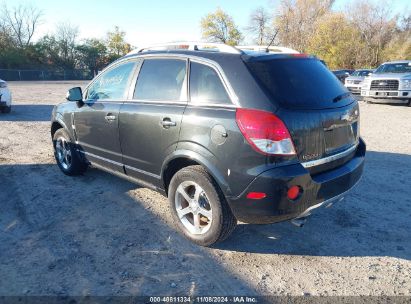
x=27, y=75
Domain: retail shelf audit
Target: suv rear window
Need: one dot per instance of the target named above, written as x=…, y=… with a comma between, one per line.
x=206, y=86
x=300, y=83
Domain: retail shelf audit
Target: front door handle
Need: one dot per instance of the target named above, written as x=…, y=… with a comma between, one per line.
x=167, y=123
x=110, y=117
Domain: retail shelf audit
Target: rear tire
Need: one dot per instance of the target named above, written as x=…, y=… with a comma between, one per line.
x=409, y=103
x=199, y=208
x=66, y=154
x=6, y=109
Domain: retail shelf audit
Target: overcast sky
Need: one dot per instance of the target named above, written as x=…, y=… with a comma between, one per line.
x=147, y=22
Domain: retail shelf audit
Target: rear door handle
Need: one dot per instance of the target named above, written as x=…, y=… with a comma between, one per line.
x=110, y=117
x=167, y=123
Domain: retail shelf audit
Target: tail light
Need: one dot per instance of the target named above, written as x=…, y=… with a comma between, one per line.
x=256, y=195
x=293, y=192
x=265, y=132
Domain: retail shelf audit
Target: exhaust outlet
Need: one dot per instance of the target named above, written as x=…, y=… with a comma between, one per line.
x=299, y=222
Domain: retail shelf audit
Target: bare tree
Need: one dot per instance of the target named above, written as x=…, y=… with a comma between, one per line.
x=405, y=21
x=376, y=25
x=66, y=36
x=20, y=22
x=260, y=26
x=296, y=20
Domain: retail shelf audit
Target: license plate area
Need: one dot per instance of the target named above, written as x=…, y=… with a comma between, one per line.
x=383, y=94
x=339, y=137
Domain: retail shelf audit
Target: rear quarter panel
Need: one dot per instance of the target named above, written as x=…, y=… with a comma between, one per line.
x=231, y=160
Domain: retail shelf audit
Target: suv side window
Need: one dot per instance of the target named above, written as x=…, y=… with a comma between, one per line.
x=161, y=80
x=206, y=86
x=112, y=84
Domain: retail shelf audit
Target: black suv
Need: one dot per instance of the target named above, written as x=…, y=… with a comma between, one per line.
x=227, y=135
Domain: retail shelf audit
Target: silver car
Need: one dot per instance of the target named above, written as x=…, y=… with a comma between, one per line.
x=390, y=83
x=354, y=81
x=5, y=97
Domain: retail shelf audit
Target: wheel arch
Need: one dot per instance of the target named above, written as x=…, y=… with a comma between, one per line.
x=58, y=123
x=184, y=158
x=55, y=125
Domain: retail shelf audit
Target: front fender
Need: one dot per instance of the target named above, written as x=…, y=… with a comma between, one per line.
x=63, y=121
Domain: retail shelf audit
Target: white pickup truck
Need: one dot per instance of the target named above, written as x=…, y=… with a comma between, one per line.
x=390, y=83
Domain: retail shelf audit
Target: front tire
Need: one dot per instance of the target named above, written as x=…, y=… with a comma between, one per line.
x=199, y=208
x=66, y=154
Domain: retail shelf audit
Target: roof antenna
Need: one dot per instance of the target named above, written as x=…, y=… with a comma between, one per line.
x=271, y=41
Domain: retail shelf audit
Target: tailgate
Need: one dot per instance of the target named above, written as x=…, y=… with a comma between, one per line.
x=322, y=133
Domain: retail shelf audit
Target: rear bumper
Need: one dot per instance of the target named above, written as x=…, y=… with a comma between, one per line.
x=317, y=189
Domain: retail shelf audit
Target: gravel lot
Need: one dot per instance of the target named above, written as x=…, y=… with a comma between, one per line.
x=100, y=235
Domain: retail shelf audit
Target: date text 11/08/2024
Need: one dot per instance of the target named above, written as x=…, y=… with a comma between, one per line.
x=204, y=299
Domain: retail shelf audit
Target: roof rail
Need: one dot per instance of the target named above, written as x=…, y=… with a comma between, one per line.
x=190, y=46
x=267, y=49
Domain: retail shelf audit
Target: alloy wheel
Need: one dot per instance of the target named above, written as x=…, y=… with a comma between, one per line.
x=193, y=207
x=63, y=153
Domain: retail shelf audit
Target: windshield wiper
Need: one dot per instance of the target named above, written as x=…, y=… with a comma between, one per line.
x=342, y=96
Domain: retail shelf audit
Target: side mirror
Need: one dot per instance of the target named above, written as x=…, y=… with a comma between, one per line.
x=75, y=94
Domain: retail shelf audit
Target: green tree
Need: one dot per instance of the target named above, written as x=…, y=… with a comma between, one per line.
x=220, y=27
x=66, y=36
x=7, y=49
x=335, y=41
x=116, y=44
x=48, y=45
x=17, y=27
x=59, y=49
x=93, y=55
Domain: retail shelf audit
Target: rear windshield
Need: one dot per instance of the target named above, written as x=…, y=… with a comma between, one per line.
x=300, y=83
